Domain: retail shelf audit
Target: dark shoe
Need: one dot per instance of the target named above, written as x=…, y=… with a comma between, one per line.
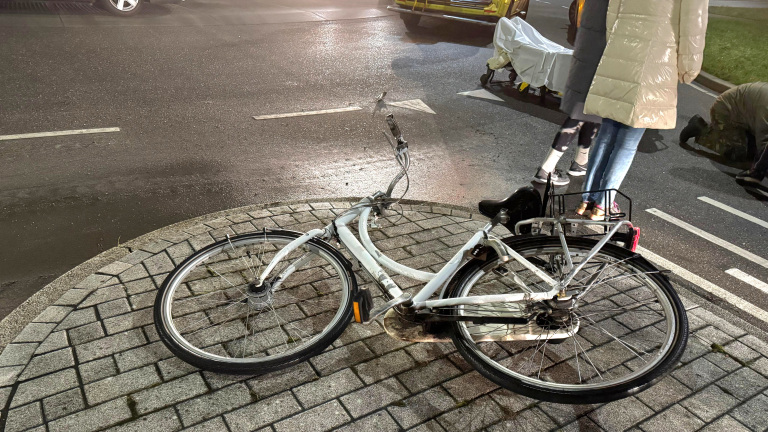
x=694, y=129
x=558, y=178
x=577, y=170
x=750, y=176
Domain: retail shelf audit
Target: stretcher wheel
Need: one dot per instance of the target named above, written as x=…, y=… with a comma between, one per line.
x=487, y=76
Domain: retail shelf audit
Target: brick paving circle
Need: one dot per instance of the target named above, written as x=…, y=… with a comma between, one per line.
x=92, y=360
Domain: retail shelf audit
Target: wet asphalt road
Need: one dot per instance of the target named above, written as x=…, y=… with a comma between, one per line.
x=183, y=80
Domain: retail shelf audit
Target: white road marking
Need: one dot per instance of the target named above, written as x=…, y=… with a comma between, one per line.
x=702, y=89
x=58, y=133
x=732, y=210
x=482, y=94
x=306, y=113
x=751, y=280
x=704, y=284
x=707, y=236
x=414, y=104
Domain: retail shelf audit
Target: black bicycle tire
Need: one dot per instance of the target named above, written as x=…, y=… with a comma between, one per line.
x=263, y=366
x=591, y=396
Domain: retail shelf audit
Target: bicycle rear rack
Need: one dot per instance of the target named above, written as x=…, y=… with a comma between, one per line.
x=563, y=208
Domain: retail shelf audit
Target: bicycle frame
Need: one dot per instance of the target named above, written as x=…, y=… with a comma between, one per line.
x=372, y=260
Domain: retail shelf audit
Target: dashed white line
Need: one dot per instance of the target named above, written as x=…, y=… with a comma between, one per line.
x=306, y=113
x=704, y=284
x=751, y=280
x=58, y=133
x=734, y=211
x=707, y=236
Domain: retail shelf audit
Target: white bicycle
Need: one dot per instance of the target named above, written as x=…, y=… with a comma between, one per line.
x=554, y=317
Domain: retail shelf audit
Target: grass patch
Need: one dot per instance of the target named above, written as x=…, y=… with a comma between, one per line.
x=462, y=403
x=735, y=48
x=754, y=14
x=717, y=348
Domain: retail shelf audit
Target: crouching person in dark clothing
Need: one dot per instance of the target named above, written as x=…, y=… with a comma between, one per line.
x=739, y=128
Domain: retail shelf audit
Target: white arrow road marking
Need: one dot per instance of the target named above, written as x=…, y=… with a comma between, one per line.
x=732, y=210
x=414, y=104
x=58, y=133
x=751, y=280
x=306, y=113
x=707, y=236
x=482, y=94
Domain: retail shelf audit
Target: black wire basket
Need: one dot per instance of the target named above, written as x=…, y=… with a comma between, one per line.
x=565, y=205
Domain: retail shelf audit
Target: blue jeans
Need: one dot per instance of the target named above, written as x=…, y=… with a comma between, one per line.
x=609, y=160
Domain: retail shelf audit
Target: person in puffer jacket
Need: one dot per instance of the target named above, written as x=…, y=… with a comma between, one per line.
x=651, y=46
x=739, y=125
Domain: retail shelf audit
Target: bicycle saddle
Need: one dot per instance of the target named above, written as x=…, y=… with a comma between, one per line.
x=525, y=203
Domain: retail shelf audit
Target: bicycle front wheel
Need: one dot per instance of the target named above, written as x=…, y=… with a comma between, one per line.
x=619, y=330
x=212, y=313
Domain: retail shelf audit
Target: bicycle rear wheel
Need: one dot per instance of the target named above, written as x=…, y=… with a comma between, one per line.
x=626, y=329
x=211, y=314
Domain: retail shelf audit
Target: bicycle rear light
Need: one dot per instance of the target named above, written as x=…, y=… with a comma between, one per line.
x=634, y=238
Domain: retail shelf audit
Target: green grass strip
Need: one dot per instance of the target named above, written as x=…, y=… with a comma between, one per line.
x=736, y=44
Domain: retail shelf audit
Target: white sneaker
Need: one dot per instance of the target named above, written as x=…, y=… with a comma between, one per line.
x=557, y=177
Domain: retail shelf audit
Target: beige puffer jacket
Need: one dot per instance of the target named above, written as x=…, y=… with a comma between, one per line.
x=651, y=45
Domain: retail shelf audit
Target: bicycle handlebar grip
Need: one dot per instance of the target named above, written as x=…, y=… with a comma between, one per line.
x=393, y=126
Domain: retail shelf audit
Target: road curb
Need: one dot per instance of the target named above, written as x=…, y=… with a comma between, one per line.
x=713, y=83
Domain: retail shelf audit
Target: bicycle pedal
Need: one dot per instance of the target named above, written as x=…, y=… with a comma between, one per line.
x=362, y=302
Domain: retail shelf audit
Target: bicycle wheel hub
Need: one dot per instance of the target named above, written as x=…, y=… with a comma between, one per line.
x=259, y=295
x=558, y=319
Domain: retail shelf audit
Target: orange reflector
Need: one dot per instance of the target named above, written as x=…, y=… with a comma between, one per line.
x=356, y=308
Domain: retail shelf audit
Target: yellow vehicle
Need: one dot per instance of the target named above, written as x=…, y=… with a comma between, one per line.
x=574, y=18
x=485, y=12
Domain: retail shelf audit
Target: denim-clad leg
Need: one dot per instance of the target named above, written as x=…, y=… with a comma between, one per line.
x=598, y=157
x=623, y=152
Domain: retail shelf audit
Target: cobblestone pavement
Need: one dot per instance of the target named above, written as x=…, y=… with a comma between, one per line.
x=92, y=359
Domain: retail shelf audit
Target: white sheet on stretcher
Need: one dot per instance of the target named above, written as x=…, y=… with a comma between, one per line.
x=536, y=59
